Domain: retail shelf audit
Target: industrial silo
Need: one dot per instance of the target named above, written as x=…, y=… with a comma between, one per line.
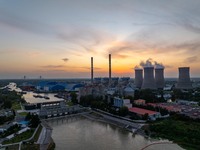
x=184, y=78
x=138, y=77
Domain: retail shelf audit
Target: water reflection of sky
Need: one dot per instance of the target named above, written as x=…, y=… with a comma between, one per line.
x=80, y=133
x=30, y=99
x=29, y=95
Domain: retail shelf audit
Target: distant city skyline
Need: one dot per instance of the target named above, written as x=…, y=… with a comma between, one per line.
x=56, y=39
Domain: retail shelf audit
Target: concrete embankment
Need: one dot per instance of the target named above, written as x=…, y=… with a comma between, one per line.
x=45, y=136
x=130, y=126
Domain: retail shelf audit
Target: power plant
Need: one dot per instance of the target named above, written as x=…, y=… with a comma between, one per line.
x=184, y=78
x=138, y=77
x=148, y=81
x=145, y=80
x=159, y=77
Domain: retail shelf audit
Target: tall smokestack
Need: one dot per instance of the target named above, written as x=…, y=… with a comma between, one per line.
x=138, y=77
x=149, y=81
x=159, y=77
x=184, y=78
x=109, y=69
x=92, y=70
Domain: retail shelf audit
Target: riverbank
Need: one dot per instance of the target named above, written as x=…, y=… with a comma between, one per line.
x=126, y=125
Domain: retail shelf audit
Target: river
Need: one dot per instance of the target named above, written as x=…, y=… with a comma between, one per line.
x=79, y=133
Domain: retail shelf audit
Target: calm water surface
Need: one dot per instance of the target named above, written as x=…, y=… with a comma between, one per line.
x=30, y=99
x=82, y=134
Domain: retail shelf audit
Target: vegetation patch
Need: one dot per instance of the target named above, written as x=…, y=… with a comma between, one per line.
x=10, y=130
x=23, y=114
x=20, y=137
x=30, y=146
x=70, y=103
x=184, y=132
x=37, y=134
x=12, y=147
x=16, y=105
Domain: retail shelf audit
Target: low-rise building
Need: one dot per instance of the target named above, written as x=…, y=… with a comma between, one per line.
x=142, y=112
x=139, y=102
x=185, y=102
x=120, y=102
x=6, y=112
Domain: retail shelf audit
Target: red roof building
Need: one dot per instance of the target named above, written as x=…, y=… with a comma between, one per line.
x=142, y=112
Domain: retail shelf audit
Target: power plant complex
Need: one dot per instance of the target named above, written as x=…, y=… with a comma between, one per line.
x=149, y=81
x=150, y=76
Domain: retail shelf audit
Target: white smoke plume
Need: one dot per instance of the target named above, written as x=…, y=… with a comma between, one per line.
x=148, y=63
x=151, y=63
x=137, y=67
x=158, y=65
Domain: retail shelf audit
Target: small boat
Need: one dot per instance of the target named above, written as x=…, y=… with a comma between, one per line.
x=46, y=97
x=38, y=96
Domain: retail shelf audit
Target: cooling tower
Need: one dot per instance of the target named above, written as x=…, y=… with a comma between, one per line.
x=159, y=77
x=138, y=77
x=184, y=78
x=149, y=81
x=92, y=70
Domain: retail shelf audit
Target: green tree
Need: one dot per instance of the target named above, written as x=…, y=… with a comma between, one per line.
x=146, y=116
x=73, y=96
x=7, y=104
x=148, y=95
x=123, y=111
x=34, y=121
x=28, y=116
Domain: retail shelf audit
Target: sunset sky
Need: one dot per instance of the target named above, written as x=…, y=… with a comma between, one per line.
x=56, y=38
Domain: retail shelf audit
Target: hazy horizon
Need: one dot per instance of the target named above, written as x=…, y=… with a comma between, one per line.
x=55, y=39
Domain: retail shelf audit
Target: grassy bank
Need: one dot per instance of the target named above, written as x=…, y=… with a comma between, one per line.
x=20, y=137
x=185, y=133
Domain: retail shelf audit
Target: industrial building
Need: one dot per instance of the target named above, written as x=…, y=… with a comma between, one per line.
x=153, y=115
x=129, y=91
x=49, y=86
x=120, y=102
x=53, y=109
